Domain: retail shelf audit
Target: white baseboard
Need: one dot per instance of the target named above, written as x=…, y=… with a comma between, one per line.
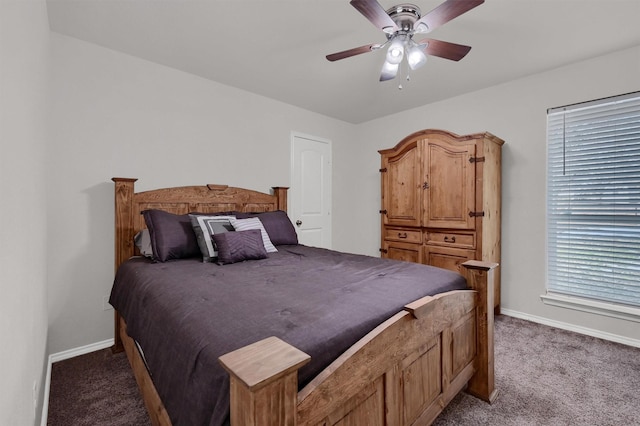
x=61, y=356
x=71, y=353
x=571, y=327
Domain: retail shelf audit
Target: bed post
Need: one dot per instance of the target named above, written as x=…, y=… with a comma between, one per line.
x=264, y=383
x=480, y=277
x=124, y=218
x=124, y=191
x=281, y=194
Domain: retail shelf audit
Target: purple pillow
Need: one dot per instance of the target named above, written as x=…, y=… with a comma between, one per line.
x=239, y=245
x=171, y=235
x=277, y=225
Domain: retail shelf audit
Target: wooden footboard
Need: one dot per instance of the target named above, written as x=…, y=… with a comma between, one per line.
x=402, y=373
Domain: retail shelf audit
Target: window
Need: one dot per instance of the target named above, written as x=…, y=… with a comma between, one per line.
x=593, y=201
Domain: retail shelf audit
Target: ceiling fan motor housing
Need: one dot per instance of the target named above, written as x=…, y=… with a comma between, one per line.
x=405, y=15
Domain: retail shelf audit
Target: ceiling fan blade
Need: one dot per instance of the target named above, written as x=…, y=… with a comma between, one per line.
x=442, y=14
x=374, y=12
x=445, y=49
x=389, y=71
x=352, y=52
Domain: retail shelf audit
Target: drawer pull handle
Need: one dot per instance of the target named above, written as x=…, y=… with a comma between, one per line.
x=449, y=240
x=402, y=235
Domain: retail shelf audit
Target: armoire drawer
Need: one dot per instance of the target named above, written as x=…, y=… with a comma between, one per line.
x=446, y=258
x=403, y=234
x=451, y=239
x=407, y=252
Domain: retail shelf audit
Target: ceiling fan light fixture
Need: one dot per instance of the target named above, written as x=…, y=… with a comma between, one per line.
x=389, y=71
x=416, y=57
x=395, y=53
x=399, y=24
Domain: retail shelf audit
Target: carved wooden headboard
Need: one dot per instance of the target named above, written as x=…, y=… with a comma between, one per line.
x=182, y=200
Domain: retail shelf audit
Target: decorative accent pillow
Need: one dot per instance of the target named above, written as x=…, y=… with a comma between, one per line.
x=142, y=240
x=171, y=235
x=254, y=223
x=206, y=226
x=240, y=245
x=278, y=226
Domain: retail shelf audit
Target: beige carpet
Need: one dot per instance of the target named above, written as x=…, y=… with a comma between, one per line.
x=548, y=376
x=545, y=376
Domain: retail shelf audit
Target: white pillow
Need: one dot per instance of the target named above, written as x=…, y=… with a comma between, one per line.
x=254, y=223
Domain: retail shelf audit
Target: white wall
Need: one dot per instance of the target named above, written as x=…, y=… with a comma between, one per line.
x=24, y=71
x=116, y=115
x=516, y=112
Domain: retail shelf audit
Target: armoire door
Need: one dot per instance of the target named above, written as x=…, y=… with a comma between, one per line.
x=401, y=180
x=449, y=173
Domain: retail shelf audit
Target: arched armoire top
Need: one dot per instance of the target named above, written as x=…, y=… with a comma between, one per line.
x=429, y=132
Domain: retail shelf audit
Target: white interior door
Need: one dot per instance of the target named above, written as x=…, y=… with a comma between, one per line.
x=310, y=192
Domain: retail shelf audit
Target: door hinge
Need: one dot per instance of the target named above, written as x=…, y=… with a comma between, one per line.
x=382, y=211
x=383, y=170
x=476, y=214
x=383, y=251
x=476, y=159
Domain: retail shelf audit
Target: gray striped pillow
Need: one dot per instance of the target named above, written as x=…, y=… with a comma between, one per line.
x=254, y=223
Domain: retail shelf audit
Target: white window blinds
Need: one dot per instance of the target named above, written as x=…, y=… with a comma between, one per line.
x=593, y=200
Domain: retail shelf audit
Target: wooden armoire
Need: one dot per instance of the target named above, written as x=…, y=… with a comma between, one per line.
x=441, y=199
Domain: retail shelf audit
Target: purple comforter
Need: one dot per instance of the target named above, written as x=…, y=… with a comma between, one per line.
x=185, y=314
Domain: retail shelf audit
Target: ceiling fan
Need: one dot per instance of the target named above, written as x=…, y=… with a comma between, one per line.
x=400, y=23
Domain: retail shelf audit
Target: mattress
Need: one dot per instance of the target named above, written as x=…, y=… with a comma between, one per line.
x=186, y=313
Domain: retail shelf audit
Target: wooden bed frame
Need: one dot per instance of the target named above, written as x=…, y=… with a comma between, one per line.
x=404, y=372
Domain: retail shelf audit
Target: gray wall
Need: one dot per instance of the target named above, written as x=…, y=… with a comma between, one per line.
x=24, y=65
x=516, y=112
x=116, y=115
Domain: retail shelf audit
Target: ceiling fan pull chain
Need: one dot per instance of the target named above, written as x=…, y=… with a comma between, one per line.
x=408, y=78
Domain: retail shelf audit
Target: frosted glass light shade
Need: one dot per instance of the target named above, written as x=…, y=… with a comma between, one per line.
x=395, y=52
x=389, y=71
x=416, y=57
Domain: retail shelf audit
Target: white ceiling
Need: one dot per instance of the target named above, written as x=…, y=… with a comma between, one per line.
x=277, y=48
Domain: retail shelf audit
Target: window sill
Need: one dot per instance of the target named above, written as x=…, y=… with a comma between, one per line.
x=591, y=306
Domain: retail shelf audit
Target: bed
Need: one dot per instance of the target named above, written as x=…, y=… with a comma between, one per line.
x=403, y=366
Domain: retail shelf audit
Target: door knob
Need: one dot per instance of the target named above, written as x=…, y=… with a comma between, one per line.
x=298, y=222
